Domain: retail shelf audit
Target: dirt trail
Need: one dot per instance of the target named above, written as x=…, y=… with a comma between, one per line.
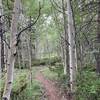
x=52, y=92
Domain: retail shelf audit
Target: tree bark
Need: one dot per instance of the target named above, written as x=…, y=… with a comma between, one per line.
x=66, y=45
x=12, y=51
x=30, y=57
x=72, y=47
x=1, y=39
x=98, y=40
x=30, y=51
x=2, y=44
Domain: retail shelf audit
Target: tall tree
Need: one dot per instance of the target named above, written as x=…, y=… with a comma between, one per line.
x=1, y=38
x=12, y=51
x=66, y=51
x=72, y=46
x=98, y=39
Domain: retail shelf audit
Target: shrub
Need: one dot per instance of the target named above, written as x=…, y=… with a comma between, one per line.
x=88, y=85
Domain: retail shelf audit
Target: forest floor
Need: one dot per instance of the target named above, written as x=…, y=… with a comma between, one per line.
x=44, y=85
x=51, y=91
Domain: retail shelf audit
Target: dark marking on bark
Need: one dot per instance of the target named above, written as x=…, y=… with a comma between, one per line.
x=9, y=82
x=5, y=98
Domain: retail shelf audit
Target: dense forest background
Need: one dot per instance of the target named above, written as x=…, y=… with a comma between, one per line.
x=50, y=49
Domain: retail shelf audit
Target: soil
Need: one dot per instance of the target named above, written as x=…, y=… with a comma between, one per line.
x=52, y=92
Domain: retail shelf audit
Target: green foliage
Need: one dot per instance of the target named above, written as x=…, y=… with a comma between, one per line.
x=31, y=92
x=20, y=82
x=88, y=85
x=46, y=61
x=58, y=68
x=22, y=88
x=49, y=74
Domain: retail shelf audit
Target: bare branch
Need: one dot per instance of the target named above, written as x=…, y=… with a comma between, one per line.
x=32, y=24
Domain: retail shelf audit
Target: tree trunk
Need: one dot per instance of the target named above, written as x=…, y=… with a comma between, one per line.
x=98, y=40
x=2, y=44
x=30, y=57
x=66, y=51
x=30, y=51
x=1, y=39
x=12, y=52
x=18, y=56
x=72, y=46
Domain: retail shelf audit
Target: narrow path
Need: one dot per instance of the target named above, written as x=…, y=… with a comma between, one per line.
x=52, y=92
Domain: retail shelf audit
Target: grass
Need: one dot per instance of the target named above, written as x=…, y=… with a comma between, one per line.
x=30, y=90
x=22, y=82
x=49, y=74
x=20, y=77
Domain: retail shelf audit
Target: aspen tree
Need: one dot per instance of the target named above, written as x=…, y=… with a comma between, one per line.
x=12, y=51
x=72, y=46
x=98, y=39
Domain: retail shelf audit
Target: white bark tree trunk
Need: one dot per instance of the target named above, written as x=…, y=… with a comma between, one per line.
x=12, y=52
x=72, y=47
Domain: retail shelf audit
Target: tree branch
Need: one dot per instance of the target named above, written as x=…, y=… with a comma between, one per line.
x=32, y=24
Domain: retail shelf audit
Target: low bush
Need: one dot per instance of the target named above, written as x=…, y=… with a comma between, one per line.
x=88, y=85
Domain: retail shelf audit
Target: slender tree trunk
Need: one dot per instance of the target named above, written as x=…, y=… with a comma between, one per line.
x=12, y=52
x=72, y=47
x=62, y=51
x=22, y=42
x=18, y=56
x=30, y=57
x=1, y=38
x=22, y=54
x=98, y=40
x=2, y=44
x=30, y=52
x=0, y=41
x=66, y=45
